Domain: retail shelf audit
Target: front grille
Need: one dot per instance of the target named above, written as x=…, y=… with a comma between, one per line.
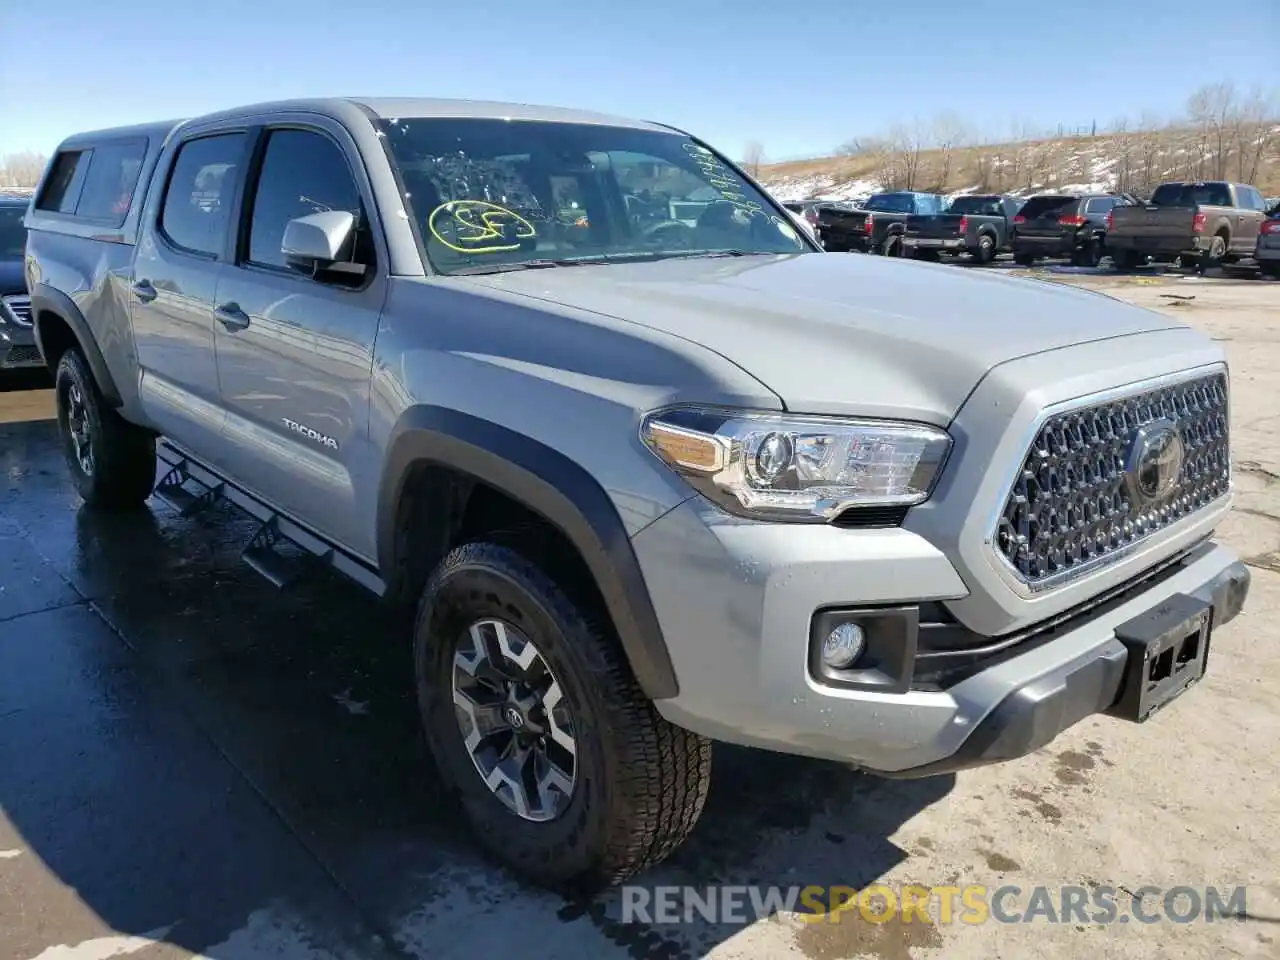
x=1073, y=504
x=19, y=307
x=22, y=357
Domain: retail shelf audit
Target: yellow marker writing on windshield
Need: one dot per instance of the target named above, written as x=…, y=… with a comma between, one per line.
x=475, y=223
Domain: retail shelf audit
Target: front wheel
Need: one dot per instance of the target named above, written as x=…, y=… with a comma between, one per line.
x=565, y=770
x=112, y=462
x=1089, y=254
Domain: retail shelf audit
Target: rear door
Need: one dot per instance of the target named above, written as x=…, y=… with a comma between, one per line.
x=180, y=255
x=1253, y=210
x=295, y=354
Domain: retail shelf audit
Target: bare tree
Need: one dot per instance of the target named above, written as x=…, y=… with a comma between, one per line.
x=907, y=142
x=753, y=157
x=22, y=170
x=1211, y=111
x=1125, y=148
x=949, y=135
x=1253, y=132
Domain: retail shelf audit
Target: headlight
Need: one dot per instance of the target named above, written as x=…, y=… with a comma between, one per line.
x=779, y=466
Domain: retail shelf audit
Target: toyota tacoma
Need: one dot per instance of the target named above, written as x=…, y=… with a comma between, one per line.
x=648, y=482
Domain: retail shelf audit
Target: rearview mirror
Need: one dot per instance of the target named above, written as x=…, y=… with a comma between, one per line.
x=317, y=241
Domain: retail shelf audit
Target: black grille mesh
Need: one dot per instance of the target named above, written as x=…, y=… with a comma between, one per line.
x=1070, y=504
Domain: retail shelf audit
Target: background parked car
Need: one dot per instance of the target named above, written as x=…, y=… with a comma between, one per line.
x=1267, y=252
x=876, y=226
x=17, y=339
x=1073, y=225
x=1211, y=221
x=980, y=225
x=806, y=212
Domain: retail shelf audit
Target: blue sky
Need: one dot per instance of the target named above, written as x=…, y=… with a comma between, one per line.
x=799, y=77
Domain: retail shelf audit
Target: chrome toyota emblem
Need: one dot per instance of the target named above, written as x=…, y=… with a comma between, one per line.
x=1155, y=460
x=515, y=718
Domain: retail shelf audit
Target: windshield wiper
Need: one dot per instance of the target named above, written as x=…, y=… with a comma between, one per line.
x=473, y=268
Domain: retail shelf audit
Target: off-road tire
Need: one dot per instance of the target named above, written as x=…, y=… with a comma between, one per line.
x=1089, y=254
x=1214, y=255
x=986, y=249
x=122, y=467
x=641, y=781
x=1125, y=259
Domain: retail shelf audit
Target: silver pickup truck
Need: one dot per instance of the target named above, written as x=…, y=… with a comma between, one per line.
x=650, y=481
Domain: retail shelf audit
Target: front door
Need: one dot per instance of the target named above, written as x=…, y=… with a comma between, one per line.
x=295, y=353
x=177, y=267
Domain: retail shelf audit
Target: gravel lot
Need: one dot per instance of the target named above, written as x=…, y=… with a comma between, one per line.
x=194, y=765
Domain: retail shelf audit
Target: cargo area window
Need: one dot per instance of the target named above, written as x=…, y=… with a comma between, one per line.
x=62, y=189
x=95, y=183
x=111, y=180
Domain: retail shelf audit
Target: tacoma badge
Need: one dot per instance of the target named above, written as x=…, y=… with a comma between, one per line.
x=310, y=434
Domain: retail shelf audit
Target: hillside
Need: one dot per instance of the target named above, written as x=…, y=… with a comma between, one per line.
x=1133, y=162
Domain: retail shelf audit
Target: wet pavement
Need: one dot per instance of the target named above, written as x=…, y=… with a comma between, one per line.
x=189, y=755
x=193, y=763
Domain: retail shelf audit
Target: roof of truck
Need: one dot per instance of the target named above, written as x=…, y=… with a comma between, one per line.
x=388, y=108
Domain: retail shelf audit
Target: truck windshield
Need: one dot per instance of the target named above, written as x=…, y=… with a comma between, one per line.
x=13, y=235
x=489, y=194
x=1191, y=195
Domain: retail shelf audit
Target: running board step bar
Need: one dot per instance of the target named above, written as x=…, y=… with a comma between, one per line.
x=189, y=486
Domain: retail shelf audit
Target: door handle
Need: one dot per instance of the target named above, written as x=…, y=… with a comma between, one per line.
x=231, y=316
x=144, y=291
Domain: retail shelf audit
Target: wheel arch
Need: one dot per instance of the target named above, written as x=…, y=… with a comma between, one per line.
x=545, y=482
x=59, y=325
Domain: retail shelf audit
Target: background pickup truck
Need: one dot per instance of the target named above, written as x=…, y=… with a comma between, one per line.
x=1212, y=222
x=877, y=226
x=977, y=225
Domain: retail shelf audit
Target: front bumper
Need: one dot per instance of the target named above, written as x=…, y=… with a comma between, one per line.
x=736, y=601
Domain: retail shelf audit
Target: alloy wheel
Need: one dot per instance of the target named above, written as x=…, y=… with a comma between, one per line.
x=78, y=427
x=515, y=723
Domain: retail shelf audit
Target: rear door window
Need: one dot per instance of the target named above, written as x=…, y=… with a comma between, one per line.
x=1102, y=204
x=197, y=201
x=1048, y=207
x=111, y=180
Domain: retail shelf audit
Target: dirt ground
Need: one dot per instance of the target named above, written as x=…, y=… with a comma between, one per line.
x=192, y=765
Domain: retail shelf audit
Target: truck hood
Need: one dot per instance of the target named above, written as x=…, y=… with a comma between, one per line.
x=842, y=333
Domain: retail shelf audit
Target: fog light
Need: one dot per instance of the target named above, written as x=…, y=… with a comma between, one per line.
x=843, y=646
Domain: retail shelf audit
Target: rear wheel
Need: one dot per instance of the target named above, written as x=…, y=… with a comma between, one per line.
x=986, y=251
x=893, y=247
x=1089, y=253
x=1023, y=259
x=565, y=770
x=1126, y=259
x=1213, y=256
x=1270, y=268
x=112, y=462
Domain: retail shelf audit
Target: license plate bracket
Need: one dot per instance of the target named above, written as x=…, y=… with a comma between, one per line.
x=1168, y=652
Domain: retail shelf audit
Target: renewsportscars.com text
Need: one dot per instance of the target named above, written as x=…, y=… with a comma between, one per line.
x=973, y=904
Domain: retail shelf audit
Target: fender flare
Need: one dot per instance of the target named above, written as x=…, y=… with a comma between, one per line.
x=45, y=299
x=551, y=485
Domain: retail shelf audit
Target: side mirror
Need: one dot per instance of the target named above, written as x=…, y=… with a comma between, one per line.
x=314, y=243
